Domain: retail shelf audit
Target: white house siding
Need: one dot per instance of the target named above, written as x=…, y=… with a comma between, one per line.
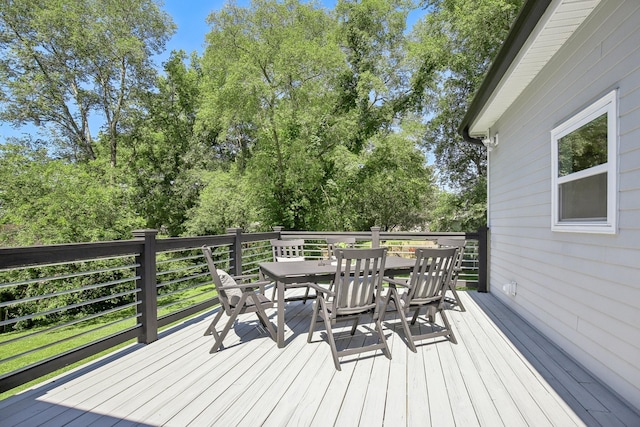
x=582, y=290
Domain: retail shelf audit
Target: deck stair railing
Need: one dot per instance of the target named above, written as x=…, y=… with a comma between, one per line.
x=60, y=304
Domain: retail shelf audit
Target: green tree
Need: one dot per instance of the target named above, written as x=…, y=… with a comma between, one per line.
x=225, y=201
x=269, y=73
x=377, y=88
x=45, y=201
x=157, y=143
x=388, y=184
x=460, y=211
x=63, y=62
x=460, y=38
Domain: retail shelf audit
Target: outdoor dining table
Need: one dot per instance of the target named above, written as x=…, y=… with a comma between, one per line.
x=284, y=273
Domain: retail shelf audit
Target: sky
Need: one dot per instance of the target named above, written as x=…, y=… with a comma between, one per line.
x=192, y=27
x=190, y=18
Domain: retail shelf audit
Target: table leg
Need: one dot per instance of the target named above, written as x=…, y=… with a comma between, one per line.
x=280, y=331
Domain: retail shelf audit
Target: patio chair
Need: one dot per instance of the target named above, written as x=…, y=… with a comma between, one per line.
x=236, y=299
x=355, y=293
x=288, y=251
x=334, y=243
x=424, y=289
x=339, y=242
x=457, y=268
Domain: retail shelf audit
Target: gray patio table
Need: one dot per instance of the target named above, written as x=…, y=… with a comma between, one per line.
x=284, y=273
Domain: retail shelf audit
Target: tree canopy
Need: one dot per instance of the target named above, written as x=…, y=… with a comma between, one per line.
x=64, y=60
x=294, y=115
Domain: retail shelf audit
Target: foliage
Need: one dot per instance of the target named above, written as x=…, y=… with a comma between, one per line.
x=267, y=76
x=460, y=212
x=295, y=116
x=158, y=143
x=461, y=37
x=388, y=185
x=63, y=60
x=226, y=200
x=53, y=201
x=375, y=90
x=584, y=147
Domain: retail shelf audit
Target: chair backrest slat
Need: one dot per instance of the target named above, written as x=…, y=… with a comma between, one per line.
x=223, y=296
x=449, y=242
x=334, y=243
x=287, y=248
x=358, y=280
x=431, y=272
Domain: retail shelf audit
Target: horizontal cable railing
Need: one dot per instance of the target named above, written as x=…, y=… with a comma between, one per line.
x=60, y=304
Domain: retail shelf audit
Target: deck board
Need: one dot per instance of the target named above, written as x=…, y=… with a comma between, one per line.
x=586, y=396
x=501, y=372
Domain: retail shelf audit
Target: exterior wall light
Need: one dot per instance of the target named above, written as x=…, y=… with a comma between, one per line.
x=490, y=142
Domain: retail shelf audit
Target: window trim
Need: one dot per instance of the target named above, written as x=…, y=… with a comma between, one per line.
x=606, y=104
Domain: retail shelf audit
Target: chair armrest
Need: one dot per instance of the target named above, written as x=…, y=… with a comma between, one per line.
x=319, y=288
x=261, y=283
x=243, y=277
x=398, y=282
x=251, y=285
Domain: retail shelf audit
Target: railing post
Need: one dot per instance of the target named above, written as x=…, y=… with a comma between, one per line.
x=278, y=229
x=375, y=236
x=148, y=295
x=483, y=258
x=236, y=251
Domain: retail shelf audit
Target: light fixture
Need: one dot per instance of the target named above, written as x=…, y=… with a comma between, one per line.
x=490, y=142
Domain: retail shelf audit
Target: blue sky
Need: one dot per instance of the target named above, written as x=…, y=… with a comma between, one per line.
x=190, y=17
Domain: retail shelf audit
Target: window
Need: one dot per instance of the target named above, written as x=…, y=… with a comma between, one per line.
x=584, y=153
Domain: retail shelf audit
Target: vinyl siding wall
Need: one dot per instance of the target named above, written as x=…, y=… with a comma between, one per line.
x=581, y=290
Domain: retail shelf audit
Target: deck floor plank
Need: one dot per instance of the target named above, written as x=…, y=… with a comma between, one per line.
x=549, y=367
x=332, y=401
x=222, y=394
x=418, y=410
x=577, y=387
x=483, y=404
x=440, y=409
x=200, y=380
x=395, y=411
x=272, y=383
x=375, y=391
x=496, y=389
x=501, y=372
x=512, y=371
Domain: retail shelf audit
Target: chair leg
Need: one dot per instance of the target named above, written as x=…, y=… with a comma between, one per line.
x=382, y=338
x=332, y=342
x=447, y=325
x=415, y=316
x=306, y=295
x=456, y=297
x=211, y=330
x=227, y=327
x=407, y=332
x=385, y=304
x=262, y=316
x=314, y=317
x=355, y=325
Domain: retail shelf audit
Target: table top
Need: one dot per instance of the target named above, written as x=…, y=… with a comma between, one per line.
x=286, y=271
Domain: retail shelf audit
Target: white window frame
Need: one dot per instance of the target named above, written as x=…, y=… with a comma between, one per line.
x=606, y=104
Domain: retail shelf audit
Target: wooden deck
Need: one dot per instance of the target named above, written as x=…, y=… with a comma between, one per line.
x=501, y=372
